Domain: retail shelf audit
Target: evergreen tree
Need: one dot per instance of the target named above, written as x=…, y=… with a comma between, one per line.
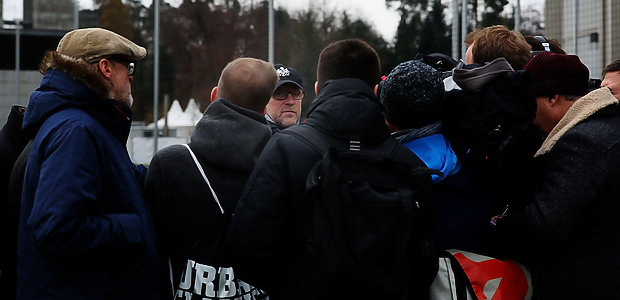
x=435, y=32
x=115, y=16
x=313, y=28
x=422, y=29
x=492, y=14
x=200, y=37
x=532, y=21
x=358, y=28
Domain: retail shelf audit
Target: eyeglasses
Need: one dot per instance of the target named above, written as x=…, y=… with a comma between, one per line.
x=281, y=95
x=130, y=65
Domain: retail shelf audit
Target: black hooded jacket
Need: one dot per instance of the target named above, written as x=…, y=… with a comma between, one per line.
x=568, y=235
x=12, y=142
x=488, y=125
x=264, y=235
x=188, y=221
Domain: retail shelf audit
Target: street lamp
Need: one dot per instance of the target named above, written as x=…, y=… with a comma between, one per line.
x=156, y=78
x=17, y=58
x=271, y=35
x=76, y=14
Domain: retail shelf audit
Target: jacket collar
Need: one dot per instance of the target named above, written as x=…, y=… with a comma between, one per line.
x=78, y=69
x=474, y=77
x=229, y=136
x=338, y=87
x=583, y=108
x=348, y=109
x=73, y=83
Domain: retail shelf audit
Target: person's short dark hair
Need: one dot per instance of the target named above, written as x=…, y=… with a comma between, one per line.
x=350, y=58
x=612, y=67
x=537, y=44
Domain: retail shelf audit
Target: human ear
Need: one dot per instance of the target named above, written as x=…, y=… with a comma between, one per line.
x=105, y=67
x=214, y=94
x=553, y=100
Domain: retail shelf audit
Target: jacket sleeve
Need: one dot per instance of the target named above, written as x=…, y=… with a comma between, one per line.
x=140, y=171
x=68, y=219
x=152, y=192
x=153, y=195
x=259, y=231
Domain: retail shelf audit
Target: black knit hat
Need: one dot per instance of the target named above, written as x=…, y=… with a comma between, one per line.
x=554, y=74
x=412, y=95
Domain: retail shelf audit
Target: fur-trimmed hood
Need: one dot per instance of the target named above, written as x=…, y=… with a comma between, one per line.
x=583, y=108
x=78, y=69
x=70, y=83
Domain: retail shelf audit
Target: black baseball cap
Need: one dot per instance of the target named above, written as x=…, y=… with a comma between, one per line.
x=288, y=75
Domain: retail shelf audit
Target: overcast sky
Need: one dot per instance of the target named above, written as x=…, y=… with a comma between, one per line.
x=375, y=12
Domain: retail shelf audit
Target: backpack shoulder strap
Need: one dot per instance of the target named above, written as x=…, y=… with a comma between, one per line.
x=204, y=176
x=389, y=148
x=321, y=142
x=310, y=136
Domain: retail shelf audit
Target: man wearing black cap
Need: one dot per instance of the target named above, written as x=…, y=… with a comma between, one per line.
x=568, y=235
x=284, y=107
x=84, y=229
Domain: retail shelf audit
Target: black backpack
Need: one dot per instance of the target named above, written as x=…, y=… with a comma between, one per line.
x=370, y=230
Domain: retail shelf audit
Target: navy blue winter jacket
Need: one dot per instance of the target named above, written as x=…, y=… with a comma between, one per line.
x=85, y=230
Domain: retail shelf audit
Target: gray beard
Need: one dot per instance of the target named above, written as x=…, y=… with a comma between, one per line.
x=128, y=101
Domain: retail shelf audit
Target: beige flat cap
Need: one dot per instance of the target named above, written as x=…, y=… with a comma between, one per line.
x=91, y=44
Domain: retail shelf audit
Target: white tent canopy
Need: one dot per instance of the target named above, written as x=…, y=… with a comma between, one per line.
x=193, y=111
x=179, y=118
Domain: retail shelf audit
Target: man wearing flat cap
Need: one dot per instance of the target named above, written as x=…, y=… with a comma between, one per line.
x=284, y=108
x=568, y=234
x=84, y=228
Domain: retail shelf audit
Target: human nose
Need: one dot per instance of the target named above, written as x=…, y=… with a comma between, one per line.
x=289, y=99
x=604, y=83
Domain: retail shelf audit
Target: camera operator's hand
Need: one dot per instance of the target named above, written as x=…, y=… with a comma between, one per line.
x=496, y=218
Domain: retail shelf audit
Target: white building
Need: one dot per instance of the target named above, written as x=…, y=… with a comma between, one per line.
x=588, y=28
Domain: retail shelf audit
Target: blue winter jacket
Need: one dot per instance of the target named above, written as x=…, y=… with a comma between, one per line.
x=84, y=230
x=435, y=151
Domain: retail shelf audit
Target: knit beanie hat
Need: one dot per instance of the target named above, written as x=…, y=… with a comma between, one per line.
x=554, y=73
x=412, y=95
